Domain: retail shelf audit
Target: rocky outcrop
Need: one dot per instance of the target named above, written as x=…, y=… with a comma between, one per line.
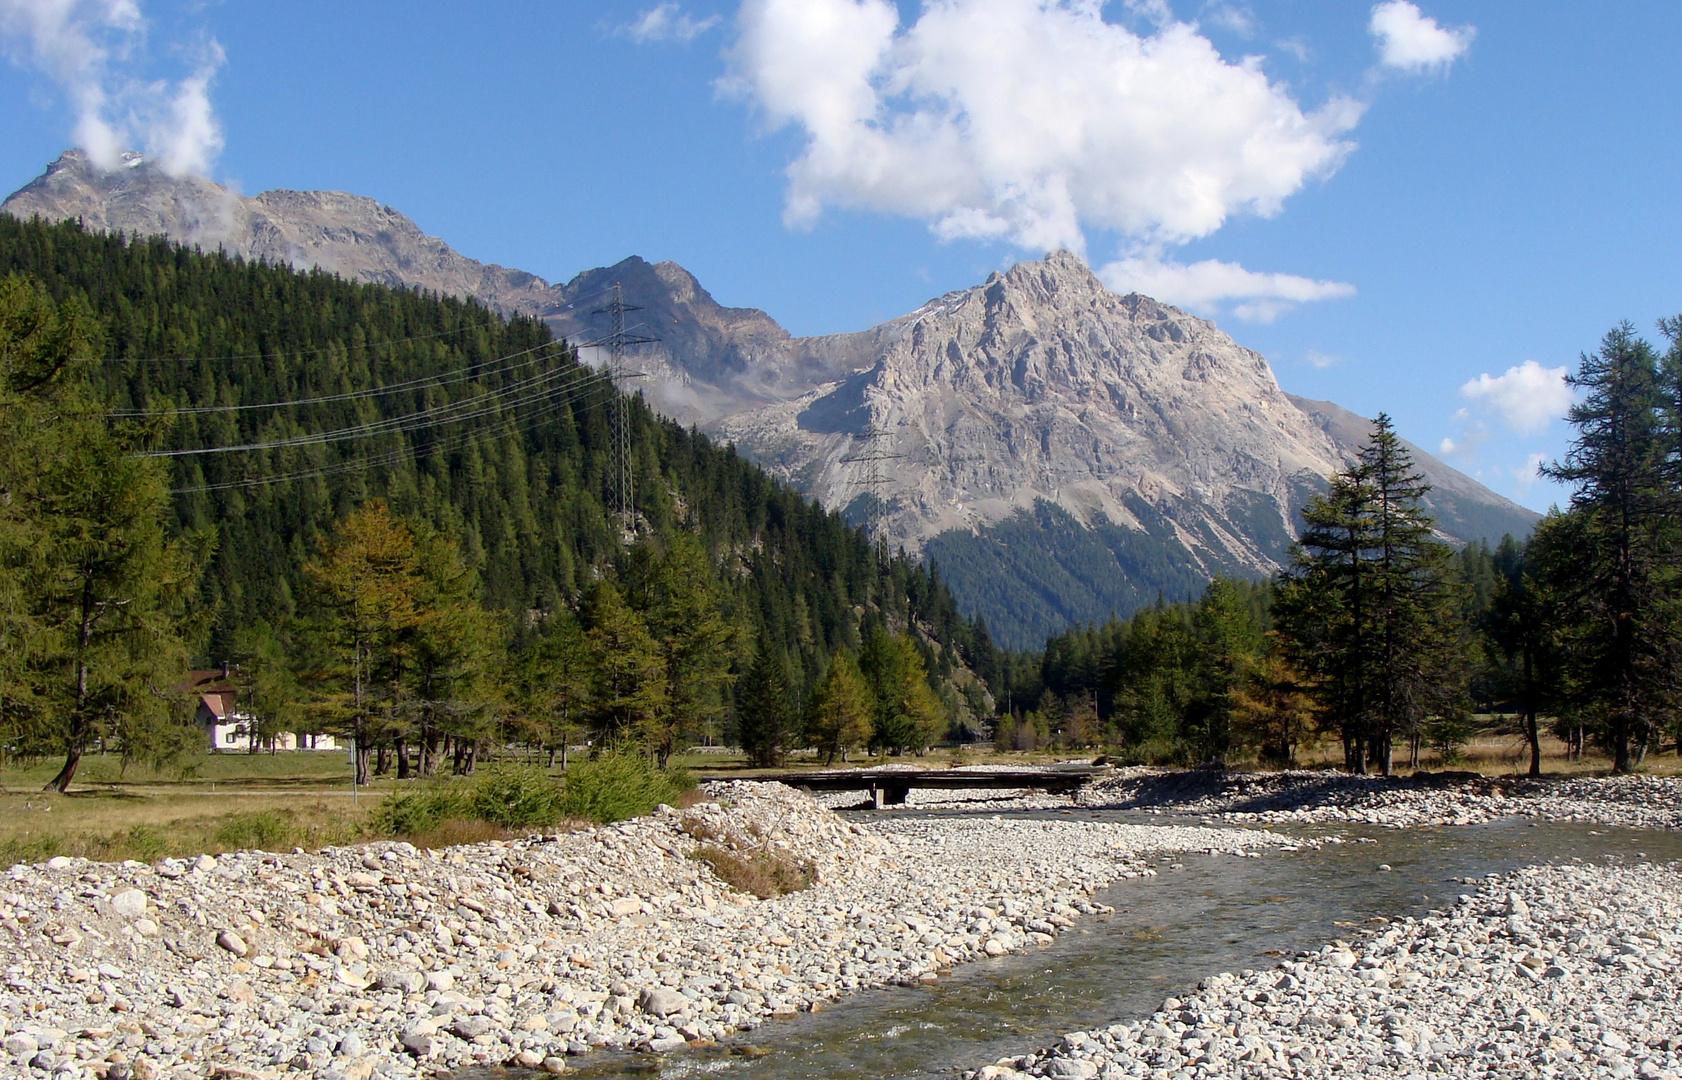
x=1042, y=384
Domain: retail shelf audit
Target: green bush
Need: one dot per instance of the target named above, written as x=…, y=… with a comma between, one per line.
x=514, y=798
x=611, y=787
x=265, y=830
x=616, y=786
x=422, y=811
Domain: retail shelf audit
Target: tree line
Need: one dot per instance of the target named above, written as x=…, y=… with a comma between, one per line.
x=1379, y=636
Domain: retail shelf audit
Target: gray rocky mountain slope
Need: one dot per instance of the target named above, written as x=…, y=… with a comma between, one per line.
x=1062, y=451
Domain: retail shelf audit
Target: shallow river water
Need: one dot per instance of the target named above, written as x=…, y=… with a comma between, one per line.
x=1202, y=915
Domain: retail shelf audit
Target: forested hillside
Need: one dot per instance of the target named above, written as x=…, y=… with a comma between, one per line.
x=485, y=428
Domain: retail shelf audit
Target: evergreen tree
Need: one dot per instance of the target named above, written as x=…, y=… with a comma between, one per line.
x=840, y=710
x=452, y=656
x=906, y=713
x=366, y=583
x=555, y=677
x=1368, y=608
x=763, y=709
x=1522, y=625
x=1612, y=559
x=676, y=591
x=627, y=704
x=269, y=690
x=1227, y=643
x=93, y=595
x=1272, y=711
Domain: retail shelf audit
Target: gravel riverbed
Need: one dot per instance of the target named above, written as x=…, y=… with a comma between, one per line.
x=1568, y=971
x=385, y=960
x=1323, y=797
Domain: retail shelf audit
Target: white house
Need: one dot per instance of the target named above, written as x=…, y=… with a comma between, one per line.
x=227, y=728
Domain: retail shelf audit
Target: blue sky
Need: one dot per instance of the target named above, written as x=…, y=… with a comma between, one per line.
x=1428, y=209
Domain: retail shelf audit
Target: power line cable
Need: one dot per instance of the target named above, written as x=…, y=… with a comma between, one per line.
x=461, y=375
x=445, y=445
x=466, y=409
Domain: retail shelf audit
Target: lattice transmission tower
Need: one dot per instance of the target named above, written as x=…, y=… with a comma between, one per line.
x=872, y=479
x=614, y=342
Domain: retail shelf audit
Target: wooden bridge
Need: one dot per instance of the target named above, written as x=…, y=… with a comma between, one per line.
x=889, y=787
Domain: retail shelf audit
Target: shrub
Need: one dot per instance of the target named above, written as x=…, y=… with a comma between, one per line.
x=611, y=787
x=616, y=786
x=417, y=812
x=516, y=798
x=260, y=829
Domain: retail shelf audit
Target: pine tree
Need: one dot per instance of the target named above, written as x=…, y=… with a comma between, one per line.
x=93, y=596
x=1612, y=558
x=676, y=592
x=1523, y=626
x=906, y=714
x=840, y=710
x=451, y=652
x=269, y=691
x=1368, y=608
x=555, y=677
x=366, y=585
x=763, y=709
x=627, y=704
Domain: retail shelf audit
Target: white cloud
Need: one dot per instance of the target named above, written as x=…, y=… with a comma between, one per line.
x=1527, y=476
x=1028, y=120
x=1474, y=436
x=1317, y=359
x=1233, y=18
x=668, y=22
x=91, y=49
x=1205, y=286
x=1527, y=397
x=1409, y=40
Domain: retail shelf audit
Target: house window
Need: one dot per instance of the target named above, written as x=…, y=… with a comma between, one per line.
x=231, y=737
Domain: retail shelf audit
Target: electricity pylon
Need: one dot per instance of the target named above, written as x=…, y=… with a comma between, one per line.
x=873, y=479
x=615, y=343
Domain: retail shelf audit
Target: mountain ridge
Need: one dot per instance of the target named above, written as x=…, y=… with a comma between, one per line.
x=1143, y=447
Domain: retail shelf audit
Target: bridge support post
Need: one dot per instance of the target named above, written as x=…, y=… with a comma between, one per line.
x=889, y=794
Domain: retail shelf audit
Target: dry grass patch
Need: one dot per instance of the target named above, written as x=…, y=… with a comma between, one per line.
x=764, y=873
x=110, y=828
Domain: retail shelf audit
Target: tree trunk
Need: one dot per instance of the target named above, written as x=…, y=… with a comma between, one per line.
x=359, y=749
x=61, y=782
x=432, y=750
x=472, y=758
x=401, y=749
x=1532, y=733
x=382, y=760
